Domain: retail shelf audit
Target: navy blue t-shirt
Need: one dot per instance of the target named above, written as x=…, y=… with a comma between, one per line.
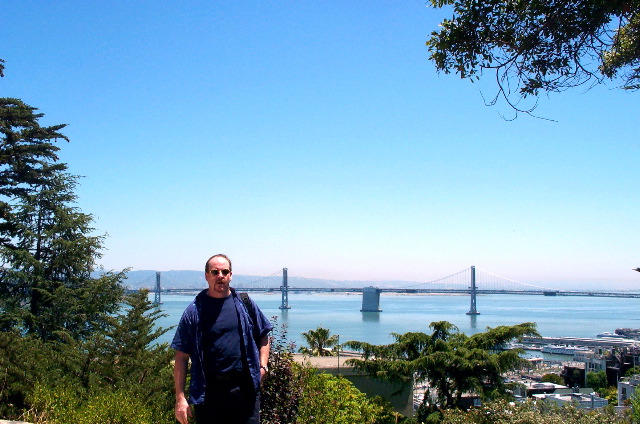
x=221, y=336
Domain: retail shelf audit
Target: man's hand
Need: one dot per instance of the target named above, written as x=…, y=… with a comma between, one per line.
x=183, y=411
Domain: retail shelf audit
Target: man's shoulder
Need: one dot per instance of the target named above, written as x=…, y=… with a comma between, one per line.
x=192, y=307
x=247, y=302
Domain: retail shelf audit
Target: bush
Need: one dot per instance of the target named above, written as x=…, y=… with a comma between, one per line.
x=75, y=381
x=280, y=391
x=293, y=393
x=64, y=406
x=530, y=412
x=327, y=399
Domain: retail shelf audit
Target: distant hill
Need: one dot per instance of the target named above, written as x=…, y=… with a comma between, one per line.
x=195, y=279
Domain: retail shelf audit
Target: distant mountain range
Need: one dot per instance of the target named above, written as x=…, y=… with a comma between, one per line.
x=195, y=279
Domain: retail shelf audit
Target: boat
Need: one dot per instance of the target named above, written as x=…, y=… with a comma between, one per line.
x=560, y=349
x=522, y=346
x=609, y=335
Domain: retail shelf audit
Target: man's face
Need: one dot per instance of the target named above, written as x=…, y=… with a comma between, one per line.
x=218, y=284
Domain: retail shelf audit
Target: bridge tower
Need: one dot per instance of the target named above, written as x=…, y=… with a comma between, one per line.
x=284, y=288
x=157, y=299
x=472, y=310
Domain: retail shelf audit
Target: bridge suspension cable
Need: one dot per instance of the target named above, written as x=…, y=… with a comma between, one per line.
x=483, y=280
x=459, y=278
x=274, y=279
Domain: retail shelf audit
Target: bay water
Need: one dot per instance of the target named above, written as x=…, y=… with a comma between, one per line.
x=340, y=313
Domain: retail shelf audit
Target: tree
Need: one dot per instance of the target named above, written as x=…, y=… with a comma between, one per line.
x=450, y=362
x=28, y=157
x=552, y=378
x=86, y=381
x=127, y=358
x=47, y=247
x=320, y=341
x=46, y=274
x=128, y=355
x=632, y=371
x=539, y=46
x=597, y=380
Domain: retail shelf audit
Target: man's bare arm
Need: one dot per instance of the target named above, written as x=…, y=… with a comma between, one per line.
x=264, y=348
x=182, y=409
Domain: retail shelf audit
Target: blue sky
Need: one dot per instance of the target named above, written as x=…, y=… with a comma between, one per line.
x=317, y=136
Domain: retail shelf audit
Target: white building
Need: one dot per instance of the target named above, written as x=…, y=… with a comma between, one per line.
x=581, y=400
x=626, y=387
x=594, y=361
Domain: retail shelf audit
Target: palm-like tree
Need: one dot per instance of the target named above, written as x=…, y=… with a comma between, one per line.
x=321, y=343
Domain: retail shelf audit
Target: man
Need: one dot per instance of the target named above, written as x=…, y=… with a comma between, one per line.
x=228, y=345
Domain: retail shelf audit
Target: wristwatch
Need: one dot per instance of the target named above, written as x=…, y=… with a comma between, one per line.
x=265, y=368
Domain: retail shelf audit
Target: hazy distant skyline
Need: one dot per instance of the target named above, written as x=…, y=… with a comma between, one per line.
x=318, y=137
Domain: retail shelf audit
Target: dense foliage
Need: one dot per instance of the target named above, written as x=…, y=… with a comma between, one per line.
x=545, y=45
x=635, y=406
x=503, y=412
x=280, y=391
x=632, y=371
x=553, y=378
x=327, y=399
x=451, y=363
x=80, y=381
x=294, y=393
x=597, y=380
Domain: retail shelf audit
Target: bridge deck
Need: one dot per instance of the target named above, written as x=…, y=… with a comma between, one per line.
x=418, y=291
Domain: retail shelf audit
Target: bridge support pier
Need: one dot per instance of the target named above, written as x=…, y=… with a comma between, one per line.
x=371, y=300
x=284, y=288
x=473, y=310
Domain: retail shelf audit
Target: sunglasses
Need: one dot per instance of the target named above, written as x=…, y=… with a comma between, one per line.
x=216, y=272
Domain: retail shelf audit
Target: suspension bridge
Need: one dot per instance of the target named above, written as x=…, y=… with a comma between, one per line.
x=471, y=281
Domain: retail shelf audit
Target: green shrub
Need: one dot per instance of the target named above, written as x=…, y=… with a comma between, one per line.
x=280, y=391
x=530, y=412
x=66, y=406
x=635, y=406
x=327, y=399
